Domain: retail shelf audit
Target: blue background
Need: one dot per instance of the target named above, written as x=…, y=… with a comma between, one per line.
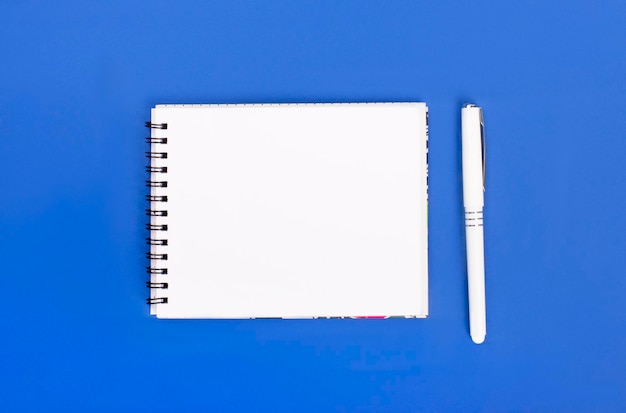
x=77, y=80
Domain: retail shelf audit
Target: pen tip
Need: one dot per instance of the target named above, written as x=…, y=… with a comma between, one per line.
x=478, y=339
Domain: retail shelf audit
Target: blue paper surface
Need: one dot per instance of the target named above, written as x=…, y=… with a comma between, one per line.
x=77, y=80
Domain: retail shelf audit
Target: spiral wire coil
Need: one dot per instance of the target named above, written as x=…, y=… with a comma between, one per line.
x=156, y=212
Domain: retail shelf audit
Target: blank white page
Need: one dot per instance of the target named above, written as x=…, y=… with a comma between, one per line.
x=292, y=210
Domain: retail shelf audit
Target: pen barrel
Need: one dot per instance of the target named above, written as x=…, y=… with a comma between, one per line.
x=474, y=238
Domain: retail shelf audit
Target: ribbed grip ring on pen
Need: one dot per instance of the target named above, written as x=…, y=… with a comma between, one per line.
x=474, y=218
x=157, y=211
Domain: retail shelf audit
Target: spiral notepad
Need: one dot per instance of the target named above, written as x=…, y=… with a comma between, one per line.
x=288, y=210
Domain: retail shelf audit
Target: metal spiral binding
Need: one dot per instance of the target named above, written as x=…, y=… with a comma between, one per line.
x=156, y=155
x=153, y=227
x=157, y=184
x=156, y=198
x=151, y=169
x=157, y=239
x=152, y=256
x=162, y=286
x=156, y=125
x=154, y=241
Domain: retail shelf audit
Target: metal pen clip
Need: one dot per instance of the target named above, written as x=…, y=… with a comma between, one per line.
x=482, y=145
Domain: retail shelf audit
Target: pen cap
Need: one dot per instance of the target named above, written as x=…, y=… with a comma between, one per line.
x=472, y=150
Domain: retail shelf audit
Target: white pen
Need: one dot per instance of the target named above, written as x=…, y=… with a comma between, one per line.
x=473, y=143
